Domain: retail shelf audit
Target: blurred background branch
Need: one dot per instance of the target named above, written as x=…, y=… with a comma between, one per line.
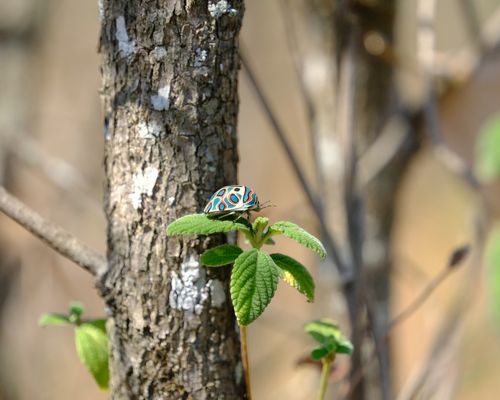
x=61, y=241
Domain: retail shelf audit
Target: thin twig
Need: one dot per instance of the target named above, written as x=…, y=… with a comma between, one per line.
x=456, y=258
x=448, y=330
x=426, y=42
x=246, y=364
x=383, y=150
x=58, y=171
x=57, y=238
x=423, y=296
x=448, y=157
x=297, y=58
x=445, y=335
x=473, y=24
x=330, y=242
x=353, y=202
x=458, y=66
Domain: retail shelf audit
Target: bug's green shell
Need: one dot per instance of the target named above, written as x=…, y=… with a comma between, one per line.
x=232, y=198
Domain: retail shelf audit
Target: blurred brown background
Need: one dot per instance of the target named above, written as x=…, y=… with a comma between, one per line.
x=51, y=157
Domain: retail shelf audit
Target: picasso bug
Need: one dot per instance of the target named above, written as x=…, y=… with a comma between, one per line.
x=232, y=199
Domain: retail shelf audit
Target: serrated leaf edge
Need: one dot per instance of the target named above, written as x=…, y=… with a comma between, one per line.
x=294, y=282
x=213, y=249
x=194, y=227
x=239, y=269
x=312, y=243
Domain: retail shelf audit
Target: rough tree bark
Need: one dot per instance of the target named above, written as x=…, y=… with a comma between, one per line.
x=170, y=105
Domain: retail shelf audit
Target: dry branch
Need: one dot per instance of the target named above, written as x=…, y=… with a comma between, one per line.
x=61, y=241
x=330, y=241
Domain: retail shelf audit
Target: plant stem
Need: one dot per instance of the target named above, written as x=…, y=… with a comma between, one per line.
x=244, y=356
x=325, y=373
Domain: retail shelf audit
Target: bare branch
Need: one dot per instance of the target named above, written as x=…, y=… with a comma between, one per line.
x=426, y=42
x=58, y=171
x=297, y=58
x=409, y=310
x=445, y=340
x=456, y=258
x=457, y=67
x=473, y=25
x=384, y=149
x=330, y=242
x=57, y=238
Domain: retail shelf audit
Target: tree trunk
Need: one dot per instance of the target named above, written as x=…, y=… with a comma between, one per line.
x=354, y=42
x=170, y=106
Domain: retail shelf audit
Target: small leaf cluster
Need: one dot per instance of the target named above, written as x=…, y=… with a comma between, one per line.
x=330, y=339
x=487, y=165
x=492, y=260
x=91, y=340
x=255, y=275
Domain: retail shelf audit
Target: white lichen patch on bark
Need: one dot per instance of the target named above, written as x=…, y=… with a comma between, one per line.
x=217, y=293
x=220, y=8
x=200, y=57
x=100, y=7
x=161, y=101
x=158, y=53
x=189, y=291
x=143, y=184
x=150, y=130
x=126, y=46
x=138, y=318
x=238, y=372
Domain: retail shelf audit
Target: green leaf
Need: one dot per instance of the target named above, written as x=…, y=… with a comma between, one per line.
x=298, y=234
x=260, y=223
x=220, y=255
x=323, y=327
x=75, y=312
x=53, y=319
x=201, y=224
x=344, y=346
x=92, y=347
x=327, y=333
x=254, y=280
x=492, y=260
x=76, y=309
x=319, y=353
x=98, y=323
x=295, y=274
x=488, y=150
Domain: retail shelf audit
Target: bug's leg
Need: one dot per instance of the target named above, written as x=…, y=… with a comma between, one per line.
x=229, y=214
x=238, y=217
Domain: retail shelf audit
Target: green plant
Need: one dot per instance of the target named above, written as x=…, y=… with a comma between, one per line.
x=492, y=260
x=487, y=167
x=487, y=163
x=331, y=342
x=91, y=340
x=255, y=275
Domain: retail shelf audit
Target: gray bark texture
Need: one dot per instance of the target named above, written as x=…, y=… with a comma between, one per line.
x=170, y=106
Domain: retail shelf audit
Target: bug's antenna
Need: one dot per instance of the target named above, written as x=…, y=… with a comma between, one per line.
x=267, y=204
